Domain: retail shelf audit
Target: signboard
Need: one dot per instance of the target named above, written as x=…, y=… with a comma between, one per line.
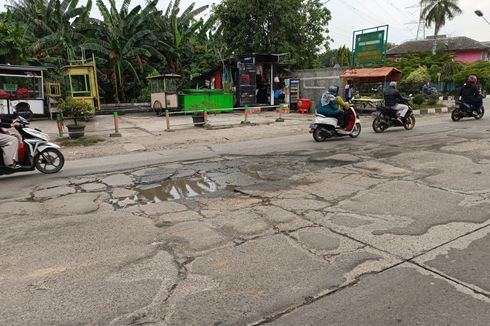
x=247, y=82
x=370, y=47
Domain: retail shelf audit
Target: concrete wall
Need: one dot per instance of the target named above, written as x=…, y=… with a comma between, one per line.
x=470, y=56
x=313, y=82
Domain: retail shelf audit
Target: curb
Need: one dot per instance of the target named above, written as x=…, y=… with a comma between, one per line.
x=431, y=111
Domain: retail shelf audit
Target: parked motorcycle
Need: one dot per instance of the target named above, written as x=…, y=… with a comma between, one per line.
x=383, y=120
x=324, y=127
x=464, y=110
x=35, y=152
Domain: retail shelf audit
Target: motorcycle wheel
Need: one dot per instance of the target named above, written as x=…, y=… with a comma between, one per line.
x=318, y=135
x=455, y=115
x=410, y=122
x=480, y=115
x=49, y=161
x=356, y=131
x=378, y=125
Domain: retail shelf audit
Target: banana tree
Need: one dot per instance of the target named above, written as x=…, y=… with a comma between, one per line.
x=124, y=39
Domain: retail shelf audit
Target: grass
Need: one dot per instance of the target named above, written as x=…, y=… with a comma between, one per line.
x=84, y=141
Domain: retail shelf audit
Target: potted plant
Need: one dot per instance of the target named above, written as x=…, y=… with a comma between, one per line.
x=76, y=110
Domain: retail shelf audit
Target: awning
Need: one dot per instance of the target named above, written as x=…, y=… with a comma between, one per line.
x=373, y=74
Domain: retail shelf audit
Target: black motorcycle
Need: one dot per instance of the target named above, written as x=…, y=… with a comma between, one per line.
x=465, y=110
x=384, y=120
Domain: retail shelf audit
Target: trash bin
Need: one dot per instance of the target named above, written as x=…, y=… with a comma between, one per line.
x=303, y=105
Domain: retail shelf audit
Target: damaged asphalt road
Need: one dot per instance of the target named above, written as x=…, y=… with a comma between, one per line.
x=388, y=229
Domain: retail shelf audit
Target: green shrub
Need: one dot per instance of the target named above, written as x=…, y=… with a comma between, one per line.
x=76, y=109
x=432, y=98
x=418, y=99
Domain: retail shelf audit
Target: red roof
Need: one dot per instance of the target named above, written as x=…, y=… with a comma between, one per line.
x=375, y=74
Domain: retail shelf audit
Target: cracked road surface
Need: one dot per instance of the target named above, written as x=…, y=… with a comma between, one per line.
x=389, y=229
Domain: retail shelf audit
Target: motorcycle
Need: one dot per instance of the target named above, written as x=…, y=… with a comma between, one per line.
x=383, y=120
x=35, y=152
x=324, y=127
x=464, y=110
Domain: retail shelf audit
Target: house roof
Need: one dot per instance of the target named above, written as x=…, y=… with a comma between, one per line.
x=448, y=43
x=373, y=74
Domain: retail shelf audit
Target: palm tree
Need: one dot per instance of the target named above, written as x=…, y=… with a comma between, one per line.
x=125, y=40
x=436, y=11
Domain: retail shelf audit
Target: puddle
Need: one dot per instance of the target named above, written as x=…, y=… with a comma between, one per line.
x=175, y=189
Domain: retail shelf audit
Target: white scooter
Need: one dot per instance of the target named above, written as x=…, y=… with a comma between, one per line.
x=35, y=152
x=324, y=127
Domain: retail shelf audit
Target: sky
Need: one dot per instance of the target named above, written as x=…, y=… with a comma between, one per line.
x=352, y=15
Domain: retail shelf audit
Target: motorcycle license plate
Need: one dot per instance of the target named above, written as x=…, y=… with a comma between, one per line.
x=375, y=114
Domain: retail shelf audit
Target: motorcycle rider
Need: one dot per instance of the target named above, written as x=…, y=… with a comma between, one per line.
x=394, y=101
x=470, y=94
x=9, y=143
x=330, y=103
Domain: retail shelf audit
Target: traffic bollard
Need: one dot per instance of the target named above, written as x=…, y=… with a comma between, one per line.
x=167, y=121
x=245, y=116
x=59, y=122
x=280, y=119
x=116, y=126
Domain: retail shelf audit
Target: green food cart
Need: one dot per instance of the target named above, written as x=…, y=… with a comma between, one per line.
x=211, y=100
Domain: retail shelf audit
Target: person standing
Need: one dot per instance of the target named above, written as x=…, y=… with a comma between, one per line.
x=9, y=143
x=348, y=91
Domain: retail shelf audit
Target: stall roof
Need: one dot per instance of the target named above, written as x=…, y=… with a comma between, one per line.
x=22, y=68
x=389, y=73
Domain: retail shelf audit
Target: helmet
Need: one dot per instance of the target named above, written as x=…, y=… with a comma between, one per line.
x=334, y=90
x=393, y=84
x=472, y=79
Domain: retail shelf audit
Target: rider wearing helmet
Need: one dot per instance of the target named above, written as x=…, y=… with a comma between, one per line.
x=470, y=94
x=330, y=105
x=393, y=100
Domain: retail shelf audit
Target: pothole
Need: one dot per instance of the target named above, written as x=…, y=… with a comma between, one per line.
x=174, y=189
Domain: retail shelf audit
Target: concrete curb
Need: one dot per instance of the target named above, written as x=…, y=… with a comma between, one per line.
x=431, y=111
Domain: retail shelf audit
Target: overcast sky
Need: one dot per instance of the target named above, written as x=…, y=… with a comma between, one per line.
x=400, y=15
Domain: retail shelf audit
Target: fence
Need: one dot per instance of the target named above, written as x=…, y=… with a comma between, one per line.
x=211, y=119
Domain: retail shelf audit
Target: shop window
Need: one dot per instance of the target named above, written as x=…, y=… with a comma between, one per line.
x=80, y=86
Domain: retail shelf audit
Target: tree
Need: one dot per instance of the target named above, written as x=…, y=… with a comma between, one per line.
x=480, y=69
x=54, y=28
x=436, y=11
x=184, y=38
x=414, y=82
x=124, y=39
x=344, y=56
x=14, y=48
x=296, y=27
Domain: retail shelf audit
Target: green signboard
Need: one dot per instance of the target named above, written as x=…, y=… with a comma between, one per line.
x=369, y=47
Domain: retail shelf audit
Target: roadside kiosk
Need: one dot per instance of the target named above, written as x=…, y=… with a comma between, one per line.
x=81, y=81
x=22, y=88
x=164, y=92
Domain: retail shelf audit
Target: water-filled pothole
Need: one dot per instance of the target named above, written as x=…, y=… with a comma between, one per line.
x=173, y=189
